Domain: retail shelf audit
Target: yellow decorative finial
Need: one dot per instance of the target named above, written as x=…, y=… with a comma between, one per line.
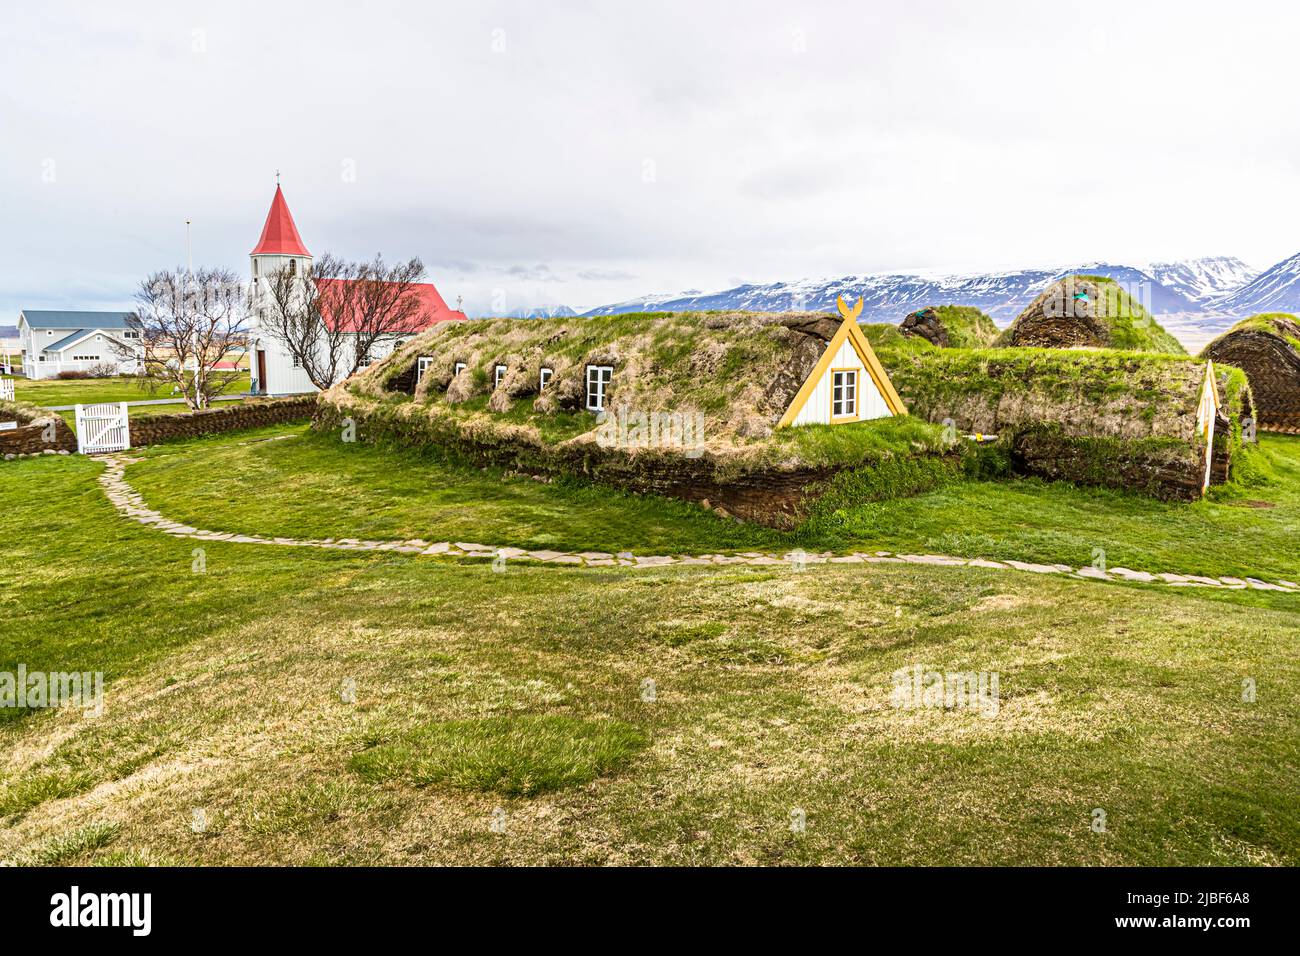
x=848, y=313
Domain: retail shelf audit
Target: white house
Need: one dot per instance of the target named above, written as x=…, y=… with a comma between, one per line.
x=55, y=341
x=274, y=369
x=848, y=384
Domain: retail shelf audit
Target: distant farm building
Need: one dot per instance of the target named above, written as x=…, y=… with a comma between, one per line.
x=57, y=341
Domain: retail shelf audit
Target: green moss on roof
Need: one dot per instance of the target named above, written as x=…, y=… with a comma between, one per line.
x=1085, y=311
x=963, y=326
x=1282, y=324
x=1109, y=392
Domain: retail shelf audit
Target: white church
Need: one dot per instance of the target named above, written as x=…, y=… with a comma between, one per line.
x=274, y=369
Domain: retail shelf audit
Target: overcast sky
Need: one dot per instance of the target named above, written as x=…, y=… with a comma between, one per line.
x=584, y=153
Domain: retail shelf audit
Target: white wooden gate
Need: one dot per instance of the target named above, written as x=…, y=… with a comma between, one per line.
x=6, y=389
x=103, y=428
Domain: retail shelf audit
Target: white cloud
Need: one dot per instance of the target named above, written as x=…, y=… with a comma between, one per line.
x=641, y=148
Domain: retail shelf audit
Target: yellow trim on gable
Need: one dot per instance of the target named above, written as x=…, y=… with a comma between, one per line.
x=849, y=329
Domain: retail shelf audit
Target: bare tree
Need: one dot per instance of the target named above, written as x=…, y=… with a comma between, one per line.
x=184, y=325
x=332, y=317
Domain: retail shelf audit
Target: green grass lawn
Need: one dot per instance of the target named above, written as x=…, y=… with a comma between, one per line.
x=335, y=707
x=85, y=391
x=316, y=486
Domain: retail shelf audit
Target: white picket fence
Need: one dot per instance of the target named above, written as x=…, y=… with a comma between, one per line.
x=6, y=389
x=103, y=428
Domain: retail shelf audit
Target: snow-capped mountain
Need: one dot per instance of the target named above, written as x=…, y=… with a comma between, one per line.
x=1201, y=280
x=542, y=312
x=887, y=298
x=1273, y=290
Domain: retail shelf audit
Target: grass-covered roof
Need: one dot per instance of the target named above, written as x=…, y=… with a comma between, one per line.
x=1083, y=311
x=1103, y=392
x=1267, y=348
x=951, y=326
x=738, y=371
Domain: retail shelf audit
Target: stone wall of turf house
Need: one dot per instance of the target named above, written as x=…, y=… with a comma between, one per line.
x=156, y=429
x=39, y=432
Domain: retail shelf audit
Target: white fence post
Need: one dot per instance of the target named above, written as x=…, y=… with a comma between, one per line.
x=6, y=389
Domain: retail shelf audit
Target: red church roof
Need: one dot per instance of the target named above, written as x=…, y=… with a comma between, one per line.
x=280, y=235
x=431, y=307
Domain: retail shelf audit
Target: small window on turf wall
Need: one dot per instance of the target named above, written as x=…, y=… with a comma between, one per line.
x=498, y=375
x=598, y=379
x=457, y=368
x=544, y=378
x=422, y=366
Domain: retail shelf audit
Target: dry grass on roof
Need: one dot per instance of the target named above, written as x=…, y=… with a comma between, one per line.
x=739, y=370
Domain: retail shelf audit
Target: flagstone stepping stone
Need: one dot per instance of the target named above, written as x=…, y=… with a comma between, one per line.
x=1131, y=575
x=1036, y=568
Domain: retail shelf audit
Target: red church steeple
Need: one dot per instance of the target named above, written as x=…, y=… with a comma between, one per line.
x=280, y=235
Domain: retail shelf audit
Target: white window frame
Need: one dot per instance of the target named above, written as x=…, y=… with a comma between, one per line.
x=422, y=365
x=599, y=378
x=458, y=368
x=543, y=377
x=498, y=374
x=294, y=357
x=844, y=393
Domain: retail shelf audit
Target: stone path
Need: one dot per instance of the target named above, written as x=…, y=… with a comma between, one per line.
x=129, y=503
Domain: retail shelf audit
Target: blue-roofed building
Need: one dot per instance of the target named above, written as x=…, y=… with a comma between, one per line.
x=55, y=341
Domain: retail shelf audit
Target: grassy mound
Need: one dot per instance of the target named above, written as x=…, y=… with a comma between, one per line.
x=951, y=326
x=513, y=756
x=1088, y=312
